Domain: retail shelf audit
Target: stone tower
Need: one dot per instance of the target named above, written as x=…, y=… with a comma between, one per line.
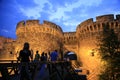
x=87, y=33
x=42, y=37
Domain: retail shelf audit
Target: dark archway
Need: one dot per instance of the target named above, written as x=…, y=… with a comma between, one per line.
x=71, y=55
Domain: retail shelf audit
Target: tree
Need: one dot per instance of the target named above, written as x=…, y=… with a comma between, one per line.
x=109, y=49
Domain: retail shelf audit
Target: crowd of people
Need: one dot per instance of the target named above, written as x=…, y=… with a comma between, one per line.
x=25, y=55
x=28, y=72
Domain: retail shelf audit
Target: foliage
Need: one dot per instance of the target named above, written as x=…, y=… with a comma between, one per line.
x=109, y=49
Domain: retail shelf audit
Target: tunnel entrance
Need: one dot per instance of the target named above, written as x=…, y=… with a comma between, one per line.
x=70, y=55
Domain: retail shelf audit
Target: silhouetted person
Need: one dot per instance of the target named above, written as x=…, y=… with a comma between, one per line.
x=24, y=57
x=32, y=53
x=37, y=56
x=43, y=57
x=46, y=57
x=36, y=67
x=54, y=55
x=42, y=72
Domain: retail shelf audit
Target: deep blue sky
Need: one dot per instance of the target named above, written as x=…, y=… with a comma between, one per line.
x=65, y=13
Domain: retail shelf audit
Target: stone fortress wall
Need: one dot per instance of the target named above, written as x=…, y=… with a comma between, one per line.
x=70, y=42
x=5, y=46
x=88, y=33
x=70, y=38
x=42, y=37
x=49, y=36
x=4, y=40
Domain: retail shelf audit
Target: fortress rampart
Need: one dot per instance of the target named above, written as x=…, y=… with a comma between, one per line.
x=70, y=42
x=48, y=36
x=43, y=37
x=105, y=18
x=33, y=26
x=88, y=33
x=88, y=28
x=4, y=40
x=70, y=38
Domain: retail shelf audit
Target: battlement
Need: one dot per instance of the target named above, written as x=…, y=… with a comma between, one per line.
x=87, y=22
x=21, y=23
x=32, y=22
x=89, y=28
x=105, y=18
x=70, y=38
x=31, y=27
x=27, y=23
x=52, y=25
x=118, y=17
x=48, y=23
x=69, y=33
x=36, y=22
x=101, y=19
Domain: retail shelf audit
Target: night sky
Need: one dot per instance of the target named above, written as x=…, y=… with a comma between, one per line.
x=65, y=13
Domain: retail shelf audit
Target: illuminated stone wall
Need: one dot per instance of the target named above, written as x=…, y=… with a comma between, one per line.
x=70, y=42
x=4, y=40
x=42, y=37
x=5, y=47
x=88, y=33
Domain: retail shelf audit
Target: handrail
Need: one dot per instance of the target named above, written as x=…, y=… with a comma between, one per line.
x=1, y=61
x=58, y=66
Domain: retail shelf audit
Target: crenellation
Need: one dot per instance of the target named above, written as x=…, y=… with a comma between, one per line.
x=118, y=17
x=87, y=22
x=90, y=26
x=105, y=18
x=20, y=24
x=47, y=34
x=53, y=25
x=32, y=22
x=70, y=38
x=59, y=28
x=34, y=26
x=49, y=23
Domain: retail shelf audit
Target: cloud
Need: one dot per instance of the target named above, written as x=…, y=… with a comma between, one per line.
x=34, y=12
x=71, y=25
x=31, y=13
x=60, y=12
x=70, y=18
x=4, y=30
